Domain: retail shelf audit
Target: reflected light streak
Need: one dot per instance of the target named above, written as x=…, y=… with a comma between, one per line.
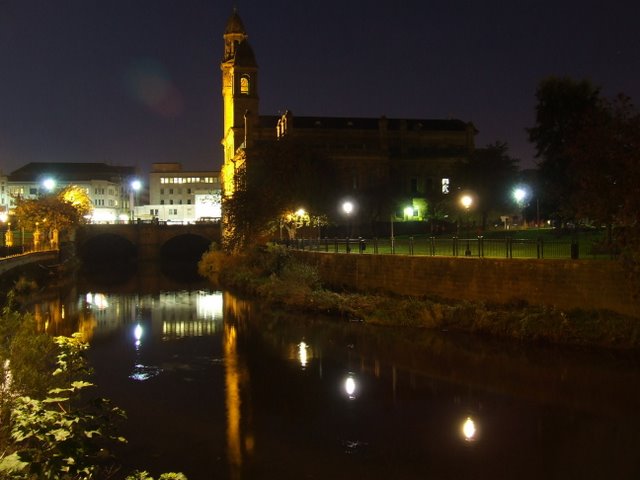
x=98, y=300
x=350, y=387
x=209, y=305
x=137, y=334
x=302, y=354
x=232, y=383
x=469, y=430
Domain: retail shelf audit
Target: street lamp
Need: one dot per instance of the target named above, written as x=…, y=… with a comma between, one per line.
x=49, y=184
x=466, y=201
x=520, y=195
x=408, y=212
x=136, y=185
x=347, y=208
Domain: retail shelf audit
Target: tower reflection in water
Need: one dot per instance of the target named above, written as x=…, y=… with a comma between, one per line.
x=236, y=382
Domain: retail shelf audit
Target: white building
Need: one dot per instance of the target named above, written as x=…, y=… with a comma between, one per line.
x=4, y=198
x=178, y=196
x=108, y=187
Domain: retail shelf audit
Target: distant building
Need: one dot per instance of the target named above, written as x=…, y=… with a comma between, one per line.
x=179, y=196
x=413, y=157
x=108, y=187
x=4, y=197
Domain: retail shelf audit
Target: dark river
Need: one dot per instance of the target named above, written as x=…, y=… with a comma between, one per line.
x=218, y=387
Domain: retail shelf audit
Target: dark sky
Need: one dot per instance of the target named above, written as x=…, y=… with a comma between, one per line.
x=132, y=82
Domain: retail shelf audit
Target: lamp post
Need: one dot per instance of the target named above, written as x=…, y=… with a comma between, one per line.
x=135, y=187
x=347, y=208
x=466, y=201
x=520, y=195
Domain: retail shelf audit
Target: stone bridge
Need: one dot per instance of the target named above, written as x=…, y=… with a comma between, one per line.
x=145, y=241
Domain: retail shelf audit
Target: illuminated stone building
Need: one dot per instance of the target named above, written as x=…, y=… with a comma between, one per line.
x=414, y=158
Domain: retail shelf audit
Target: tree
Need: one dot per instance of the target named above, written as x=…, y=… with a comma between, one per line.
x=58, y=211
x=563, y=104
x=605, y=159
x=490, y=173
x=276, y=179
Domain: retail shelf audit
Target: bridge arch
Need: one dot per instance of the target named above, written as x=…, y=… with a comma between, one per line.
x=186, y=247
x=107, y=247
x=151, y=241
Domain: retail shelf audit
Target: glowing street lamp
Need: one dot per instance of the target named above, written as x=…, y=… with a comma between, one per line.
x=136, y=185
x=49, y=184
x=466, y=201
x=520, y=195
x=408, y=212
x=347, y=208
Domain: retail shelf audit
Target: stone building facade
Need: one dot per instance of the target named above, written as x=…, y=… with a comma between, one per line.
x=415, y=157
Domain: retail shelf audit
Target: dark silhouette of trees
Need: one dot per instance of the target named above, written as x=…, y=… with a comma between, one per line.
x=563, y=104
x=604, y=157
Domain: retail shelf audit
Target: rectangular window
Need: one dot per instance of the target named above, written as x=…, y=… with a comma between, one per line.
x=445, y=186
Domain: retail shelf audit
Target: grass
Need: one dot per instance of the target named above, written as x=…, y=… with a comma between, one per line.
x=525, y=243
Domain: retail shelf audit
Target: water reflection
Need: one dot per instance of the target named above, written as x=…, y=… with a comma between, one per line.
x=219, y=388
x=469, y=430
x=350, y=387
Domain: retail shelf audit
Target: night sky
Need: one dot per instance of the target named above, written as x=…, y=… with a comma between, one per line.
x=132, y=82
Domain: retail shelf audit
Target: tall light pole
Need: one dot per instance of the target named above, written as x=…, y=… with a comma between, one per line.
x=135, y=186
x=466, y=201
x=347, y=208
x=520, y=195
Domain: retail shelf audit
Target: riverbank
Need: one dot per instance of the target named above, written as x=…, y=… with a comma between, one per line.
x=275, y=277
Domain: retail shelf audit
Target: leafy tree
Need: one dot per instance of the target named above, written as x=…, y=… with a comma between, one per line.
x=563, y=104
x=490, y=173
x=61, y=210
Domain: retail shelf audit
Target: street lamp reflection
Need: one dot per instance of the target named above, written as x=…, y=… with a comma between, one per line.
x=350, y=387
x=469, y=430
x=302, y=354
x=137, y=334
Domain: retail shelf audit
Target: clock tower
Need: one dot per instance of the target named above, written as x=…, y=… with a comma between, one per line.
x=240, y=100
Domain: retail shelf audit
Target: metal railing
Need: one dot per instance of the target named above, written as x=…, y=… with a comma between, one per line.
x=437, y=246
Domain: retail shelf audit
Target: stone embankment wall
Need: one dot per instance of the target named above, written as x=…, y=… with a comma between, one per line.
x=565, y=284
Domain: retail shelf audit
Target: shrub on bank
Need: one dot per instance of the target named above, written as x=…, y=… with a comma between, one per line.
x=280, y=279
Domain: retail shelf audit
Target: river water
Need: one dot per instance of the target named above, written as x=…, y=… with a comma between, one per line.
x=219, y=387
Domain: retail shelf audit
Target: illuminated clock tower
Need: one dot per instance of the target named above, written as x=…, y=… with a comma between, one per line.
x=240, y=100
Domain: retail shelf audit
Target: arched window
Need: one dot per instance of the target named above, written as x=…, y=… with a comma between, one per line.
x=244, y=84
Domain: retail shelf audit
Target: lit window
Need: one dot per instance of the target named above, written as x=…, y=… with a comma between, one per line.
x=445, y=186
x=244, y=84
